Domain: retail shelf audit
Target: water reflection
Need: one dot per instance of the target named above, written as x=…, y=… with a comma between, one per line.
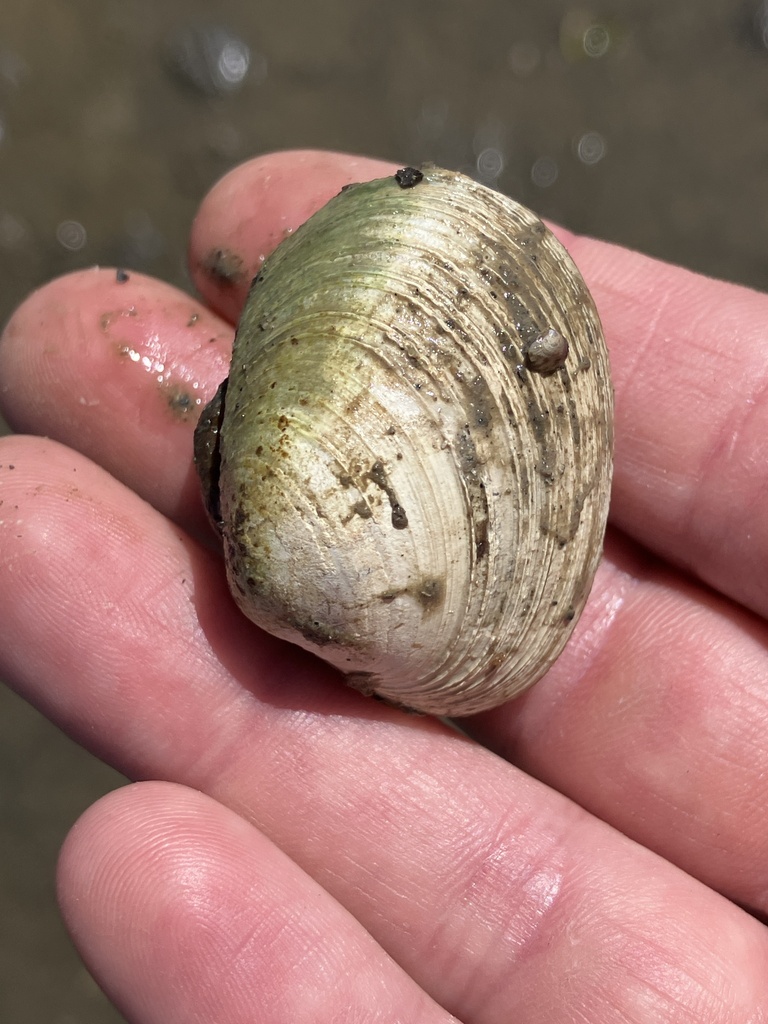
x=544, y=171
x=596, y=40
x=488, y=145
x=71, y=235
x=582, y=34
x=212, y=60
x=489, y=165
x=590, y=148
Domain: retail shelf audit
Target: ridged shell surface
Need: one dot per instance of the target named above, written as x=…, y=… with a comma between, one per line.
x=415, y=445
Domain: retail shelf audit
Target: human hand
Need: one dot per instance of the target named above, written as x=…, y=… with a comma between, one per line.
x=306, y=854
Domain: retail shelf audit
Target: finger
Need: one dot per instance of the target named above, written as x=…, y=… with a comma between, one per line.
x=656, y=719
x=61, y=510
x=254, y=207
x=118, y=369
x=184, y=912
x=483, y=884
x=691, y=379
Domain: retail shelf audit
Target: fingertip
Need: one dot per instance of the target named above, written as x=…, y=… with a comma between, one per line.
x=102, y=847
x=184, y=911
x=21, y=393
x=253, y=207
x=139, y=887
x=140, y=831
x=117, y=366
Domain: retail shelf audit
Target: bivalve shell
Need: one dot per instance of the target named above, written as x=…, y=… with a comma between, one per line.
x=410, y=464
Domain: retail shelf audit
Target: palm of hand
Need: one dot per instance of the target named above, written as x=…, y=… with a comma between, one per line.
x=310, y=855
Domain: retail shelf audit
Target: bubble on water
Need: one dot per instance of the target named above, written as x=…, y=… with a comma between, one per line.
x=544, y=171
x=212, y=60
x=489, y=164
x=71, y=235
x=583, y=35
x=488, y=147
x=596, y=40
x=590, y=148
x=234, y=61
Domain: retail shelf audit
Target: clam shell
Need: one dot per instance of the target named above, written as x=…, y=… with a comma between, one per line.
x=415, y=445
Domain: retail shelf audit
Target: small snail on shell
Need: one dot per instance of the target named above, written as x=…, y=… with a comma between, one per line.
x=410, y=464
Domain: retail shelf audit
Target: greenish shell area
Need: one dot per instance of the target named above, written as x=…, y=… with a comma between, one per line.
x=389, y=467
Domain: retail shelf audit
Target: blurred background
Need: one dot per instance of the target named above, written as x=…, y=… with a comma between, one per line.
x=644, y=122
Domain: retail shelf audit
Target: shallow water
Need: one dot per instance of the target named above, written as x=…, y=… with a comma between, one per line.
x=639, y=121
